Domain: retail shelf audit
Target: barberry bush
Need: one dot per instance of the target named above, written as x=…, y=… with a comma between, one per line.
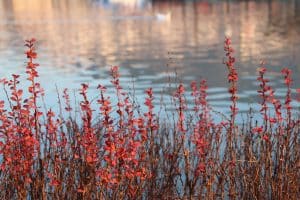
x=118, y=151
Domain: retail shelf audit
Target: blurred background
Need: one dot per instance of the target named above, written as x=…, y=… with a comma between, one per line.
x=153, y=42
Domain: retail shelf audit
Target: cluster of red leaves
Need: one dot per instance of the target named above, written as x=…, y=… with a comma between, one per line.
x=232, y=76
x=287, y=73
x=123, y=150
x=150, y=114
x=179, y=95
x=203, y=125
x=20, y=126
x=265, y=91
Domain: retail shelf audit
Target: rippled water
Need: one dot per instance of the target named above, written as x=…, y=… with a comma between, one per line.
x=151, y=40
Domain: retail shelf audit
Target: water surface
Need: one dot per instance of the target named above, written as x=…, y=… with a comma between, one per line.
x=151, y=41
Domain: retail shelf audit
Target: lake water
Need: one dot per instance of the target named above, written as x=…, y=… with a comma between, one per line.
x=78, y=41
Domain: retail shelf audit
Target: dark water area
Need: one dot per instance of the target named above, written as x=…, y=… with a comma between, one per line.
x=153, y=43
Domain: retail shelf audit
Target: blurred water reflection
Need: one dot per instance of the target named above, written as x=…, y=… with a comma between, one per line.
x=149, y=40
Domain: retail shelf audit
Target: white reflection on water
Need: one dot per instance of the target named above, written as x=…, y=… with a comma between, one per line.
x=80, y=39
